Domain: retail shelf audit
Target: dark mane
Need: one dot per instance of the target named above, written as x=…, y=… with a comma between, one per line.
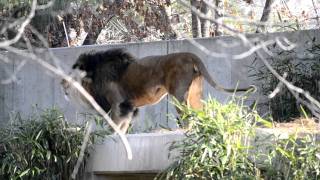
x=102, y=67
x=112, y=62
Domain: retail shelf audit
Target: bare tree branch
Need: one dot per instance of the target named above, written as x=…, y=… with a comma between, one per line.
x=278, y=88
x=21, y=28
x=287, y=47
x=252, y=47
x=58, y=72
x=89, y=129
x=242, y=20
x=4, y=58
x=78, y=86
x=316, y=12
x=311, y=103
x=201, y=15
x=13, y=76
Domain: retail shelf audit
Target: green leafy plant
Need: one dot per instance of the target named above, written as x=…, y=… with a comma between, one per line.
x=217, y=146
x=295, y=158
x=41, y=147
x=222, y=145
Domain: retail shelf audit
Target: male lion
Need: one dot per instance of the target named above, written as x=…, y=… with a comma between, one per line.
x=120, y=83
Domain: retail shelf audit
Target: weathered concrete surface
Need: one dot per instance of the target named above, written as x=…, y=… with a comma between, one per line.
x=151, y=154
x=140, y=176
x=35, y=87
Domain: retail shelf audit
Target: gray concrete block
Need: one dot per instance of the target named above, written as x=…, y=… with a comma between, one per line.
x=150, y=154
x=6, y=91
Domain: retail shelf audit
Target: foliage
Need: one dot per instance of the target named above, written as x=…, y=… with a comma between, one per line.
x=216, y=146
x=303, y=71
x=90, y=21
x=41, y=147
x=86, y=19
x=296, y=158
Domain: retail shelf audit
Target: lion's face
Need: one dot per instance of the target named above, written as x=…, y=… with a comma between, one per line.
x=70, y=92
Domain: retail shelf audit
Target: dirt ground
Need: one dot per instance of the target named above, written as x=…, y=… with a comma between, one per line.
x=300, y=125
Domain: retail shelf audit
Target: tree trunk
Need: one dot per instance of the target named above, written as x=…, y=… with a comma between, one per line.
x=216, y=15
x=196, y=24
x=265, y=15
x=205, y=24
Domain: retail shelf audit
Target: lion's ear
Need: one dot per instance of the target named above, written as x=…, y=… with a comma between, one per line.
x=79, y=66
x=81, y=62
x=75, y=66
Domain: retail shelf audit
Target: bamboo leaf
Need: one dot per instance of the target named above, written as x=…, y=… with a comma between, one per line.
x=24, y=173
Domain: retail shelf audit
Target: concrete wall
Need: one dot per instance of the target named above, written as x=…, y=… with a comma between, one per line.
x=37, y=88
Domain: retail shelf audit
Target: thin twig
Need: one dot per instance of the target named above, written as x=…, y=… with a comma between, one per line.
x=278, y=88
x=22, y=27
x=241, y=20
x=88, y=128
x=13, y=76
x=316, y=12
x=65, y=29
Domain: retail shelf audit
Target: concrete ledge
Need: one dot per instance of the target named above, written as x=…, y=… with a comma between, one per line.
x=150, y=154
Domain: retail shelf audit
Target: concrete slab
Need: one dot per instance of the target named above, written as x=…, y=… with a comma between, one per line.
x=150, y=154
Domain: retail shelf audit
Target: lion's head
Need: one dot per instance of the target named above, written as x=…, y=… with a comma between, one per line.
x=111, y=63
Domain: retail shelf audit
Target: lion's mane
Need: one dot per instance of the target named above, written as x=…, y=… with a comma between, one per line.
x=113, y=63
x=103, y=67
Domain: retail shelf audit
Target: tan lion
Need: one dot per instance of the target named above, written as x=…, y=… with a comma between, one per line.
x=120, y=83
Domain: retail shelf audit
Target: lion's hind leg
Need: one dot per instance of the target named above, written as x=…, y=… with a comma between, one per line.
x=190, y=94
x=194, y=96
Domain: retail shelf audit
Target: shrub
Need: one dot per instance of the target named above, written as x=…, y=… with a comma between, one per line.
x=295, y=158
x=41, y=147
x=303, y=70
x=216, y=147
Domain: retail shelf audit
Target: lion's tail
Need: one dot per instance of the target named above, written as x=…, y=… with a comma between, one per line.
x=203, y=70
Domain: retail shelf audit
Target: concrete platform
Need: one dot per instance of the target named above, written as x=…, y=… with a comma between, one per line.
x=151, y=154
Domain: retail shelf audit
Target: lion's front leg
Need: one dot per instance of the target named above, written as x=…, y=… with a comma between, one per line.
x=122, y=110
x=125, y=124
x=122, y=114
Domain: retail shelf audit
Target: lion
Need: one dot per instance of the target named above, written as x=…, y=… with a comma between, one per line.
x=121, y=83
